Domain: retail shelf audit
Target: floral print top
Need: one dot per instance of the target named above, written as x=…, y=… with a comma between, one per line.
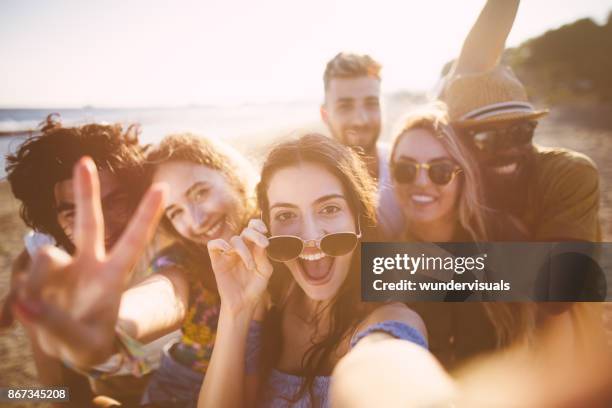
x=199, y=328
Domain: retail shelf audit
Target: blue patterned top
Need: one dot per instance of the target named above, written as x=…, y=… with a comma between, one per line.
x=281, y=387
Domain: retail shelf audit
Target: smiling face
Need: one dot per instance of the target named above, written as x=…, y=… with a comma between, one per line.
x=308, y=201
x=201, y=204
x=424, y=201
x=505, y=162
x=117, y=207
x=352, y=111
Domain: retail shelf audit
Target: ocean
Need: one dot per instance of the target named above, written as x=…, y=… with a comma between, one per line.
x=232, y=124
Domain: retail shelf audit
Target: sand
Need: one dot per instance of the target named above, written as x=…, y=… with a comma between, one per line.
x=591, y=137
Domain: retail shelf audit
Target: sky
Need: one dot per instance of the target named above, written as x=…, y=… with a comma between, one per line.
x=224, y=52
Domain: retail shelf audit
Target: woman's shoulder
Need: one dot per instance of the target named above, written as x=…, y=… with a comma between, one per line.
x=392, y=317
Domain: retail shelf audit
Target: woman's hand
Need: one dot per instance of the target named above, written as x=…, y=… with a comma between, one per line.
x=71, y=302
x=241, y=268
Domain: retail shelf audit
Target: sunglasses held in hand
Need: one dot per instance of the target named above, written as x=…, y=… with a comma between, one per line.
x=284, y=248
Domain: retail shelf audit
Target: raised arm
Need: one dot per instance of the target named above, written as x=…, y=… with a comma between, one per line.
x=390, y=370
x=71, y=303
x=155, y=306
x=242, y=271
x=485, y=43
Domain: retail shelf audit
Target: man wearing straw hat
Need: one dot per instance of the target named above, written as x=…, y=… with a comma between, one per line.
x=554, y=191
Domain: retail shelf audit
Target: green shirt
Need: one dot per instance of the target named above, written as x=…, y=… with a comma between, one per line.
x=563, y=199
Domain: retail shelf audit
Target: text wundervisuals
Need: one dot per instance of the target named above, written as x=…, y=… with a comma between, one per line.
x=411, y=264
x=406, y=285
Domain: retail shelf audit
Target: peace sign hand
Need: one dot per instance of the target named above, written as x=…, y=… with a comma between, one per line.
x=71, y=303
x=241, y=268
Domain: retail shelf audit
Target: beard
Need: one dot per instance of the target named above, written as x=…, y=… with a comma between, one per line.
x=508, y=192
x=363, y=138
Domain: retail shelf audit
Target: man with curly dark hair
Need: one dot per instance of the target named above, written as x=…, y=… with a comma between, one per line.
x=40, y=176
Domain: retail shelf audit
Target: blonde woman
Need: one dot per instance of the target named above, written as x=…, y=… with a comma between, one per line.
x=439, y=189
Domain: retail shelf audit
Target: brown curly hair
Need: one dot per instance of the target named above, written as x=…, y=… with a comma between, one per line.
x=48, y=158
x=212, y=154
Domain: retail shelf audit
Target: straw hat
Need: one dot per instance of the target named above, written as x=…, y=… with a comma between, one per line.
x=491, y=97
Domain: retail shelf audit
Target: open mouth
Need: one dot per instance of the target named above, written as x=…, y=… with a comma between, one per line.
x=316, y=267
x=214, y=230
x=422, y=199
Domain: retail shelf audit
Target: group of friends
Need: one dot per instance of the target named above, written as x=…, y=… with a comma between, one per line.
x=256, y=301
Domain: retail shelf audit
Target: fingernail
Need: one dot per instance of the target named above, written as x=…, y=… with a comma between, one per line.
x=85, y=162
x=29, y=310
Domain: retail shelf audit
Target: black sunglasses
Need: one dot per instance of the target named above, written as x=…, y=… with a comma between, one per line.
x=439, y=172
x=502, y=138
x=284, y=248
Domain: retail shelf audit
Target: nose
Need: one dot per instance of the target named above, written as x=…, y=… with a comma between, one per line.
x=422, y=179
x=198, y=215
x=311, y=232
x=360, y=117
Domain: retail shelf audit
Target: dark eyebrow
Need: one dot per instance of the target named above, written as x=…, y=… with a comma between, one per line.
x=328, y=197
x=194, y=186
x=113, y=195
x=435, y=159
x=372, y=99
x=64, y=206
x=170, y=207
x=345, y=100
x=317, y=201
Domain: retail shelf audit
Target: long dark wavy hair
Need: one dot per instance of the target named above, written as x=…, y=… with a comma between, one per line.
x=346, y=309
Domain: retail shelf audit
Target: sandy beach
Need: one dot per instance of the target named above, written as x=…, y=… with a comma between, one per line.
x=591, y=137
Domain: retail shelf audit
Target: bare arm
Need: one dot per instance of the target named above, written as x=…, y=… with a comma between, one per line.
x=156, y=306
x=408, y=373
x=71, y=303
x=485, y=43
x=242, y=271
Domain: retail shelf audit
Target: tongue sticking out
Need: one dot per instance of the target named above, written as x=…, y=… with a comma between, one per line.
x=317, y=270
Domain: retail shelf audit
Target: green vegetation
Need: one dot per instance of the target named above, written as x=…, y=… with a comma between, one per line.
x=570, y=64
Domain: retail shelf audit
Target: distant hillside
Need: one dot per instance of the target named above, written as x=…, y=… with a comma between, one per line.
x=571, y=63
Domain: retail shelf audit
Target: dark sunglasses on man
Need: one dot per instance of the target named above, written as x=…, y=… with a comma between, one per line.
x=501, y=137
x=284, y=248
x=440, y=172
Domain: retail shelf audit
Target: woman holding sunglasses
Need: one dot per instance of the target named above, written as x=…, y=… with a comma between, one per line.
x=290, y=282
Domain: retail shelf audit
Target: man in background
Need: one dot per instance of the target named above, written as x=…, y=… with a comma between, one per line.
x=352, y=112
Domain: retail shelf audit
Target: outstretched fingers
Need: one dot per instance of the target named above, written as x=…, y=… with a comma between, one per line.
x=134, y=239
x=89, y=224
